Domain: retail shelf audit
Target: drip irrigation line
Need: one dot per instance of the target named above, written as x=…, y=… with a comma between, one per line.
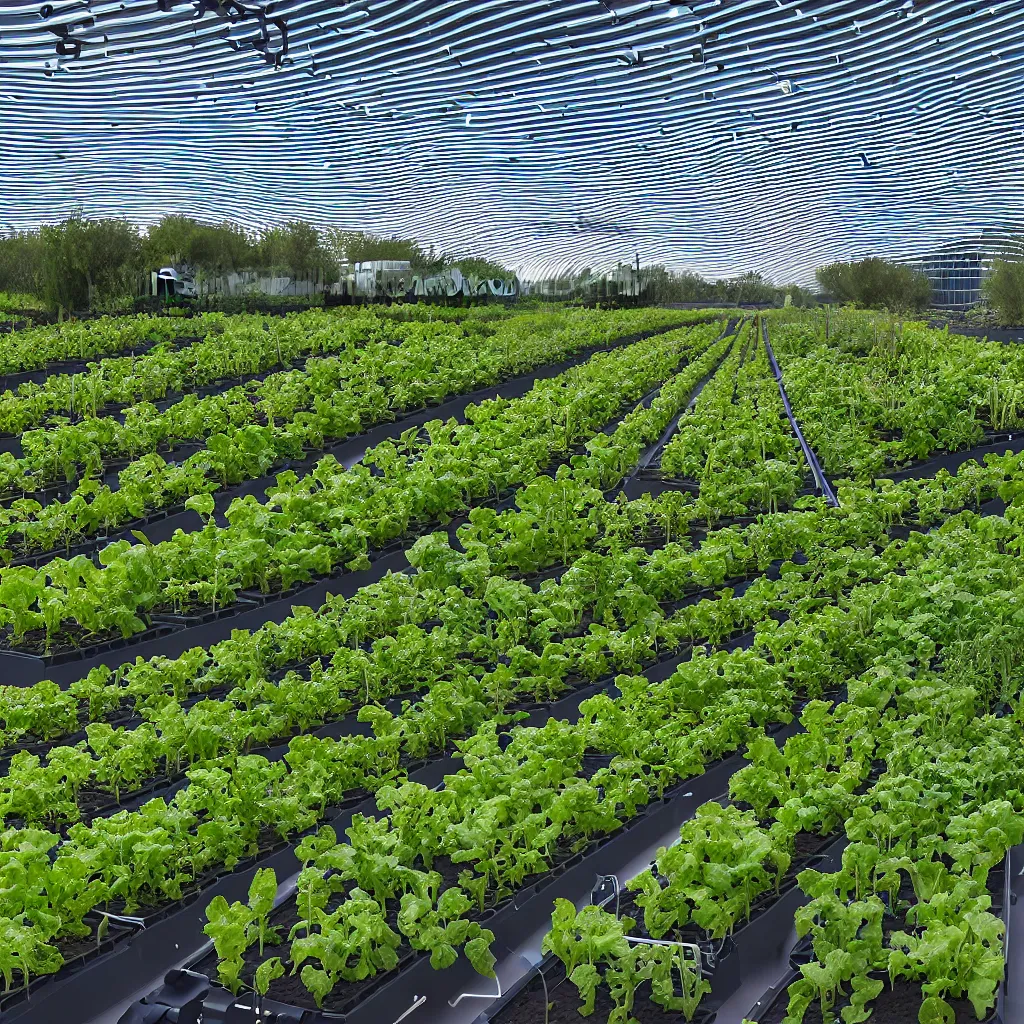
x=812, y=460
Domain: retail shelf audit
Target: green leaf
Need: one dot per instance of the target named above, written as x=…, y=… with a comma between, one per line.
x=318, y=983
x=203, y=504
x=935, y=1010
x=453, y=903
x=267, y=972
x=586, y=979
x=442, y=955
x=478, y=952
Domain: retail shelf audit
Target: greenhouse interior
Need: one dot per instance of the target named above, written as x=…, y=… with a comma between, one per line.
x=511, y=512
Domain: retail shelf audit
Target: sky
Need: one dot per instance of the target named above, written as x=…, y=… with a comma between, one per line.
x=717, y=137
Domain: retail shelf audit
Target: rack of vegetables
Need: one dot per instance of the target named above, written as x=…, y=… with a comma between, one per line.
x=353, y=755
x=371, y=808
x=334, y=516
x=641, y=741
x=876, y=395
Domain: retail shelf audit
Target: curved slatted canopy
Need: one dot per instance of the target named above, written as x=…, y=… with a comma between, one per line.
x=719, y=136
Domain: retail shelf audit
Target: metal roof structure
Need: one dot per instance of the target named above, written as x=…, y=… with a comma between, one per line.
x=718, y=136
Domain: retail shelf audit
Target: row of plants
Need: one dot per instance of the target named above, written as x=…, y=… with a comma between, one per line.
x=98, y=338
x=499, y=644
x=874, y=395
x=736, y=446
x=923, y=837
x=236, y=347
x=34, y=348
x=911, y=908
x=228, y=349
x=524, y=804
x=244, y=806
x=605, y=542
x=330, y=518
x=232, y=804
x=171, y=737
x=246, y=431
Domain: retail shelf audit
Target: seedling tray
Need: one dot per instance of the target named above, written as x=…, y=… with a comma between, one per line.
x=182, y=620
x=897, y=1004
x=16, y=665
x=513, y=919
x=994, y=444
x=900, y=1004
x=79, y=954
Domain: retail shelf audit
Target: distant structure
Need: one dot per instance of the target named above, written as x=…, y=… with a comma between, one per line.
x=396, y=279
x=620, y=283
x=957, y=271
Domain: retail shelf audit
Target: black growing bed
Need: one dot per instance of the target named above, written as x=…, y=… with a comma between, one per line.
x=26, y=668
x=347, y=451
x=994, y=443
x=549, y=996
x=167, y=933
x=658, y=671
x=516, y=919
x=512, y=921
x=899, y=1003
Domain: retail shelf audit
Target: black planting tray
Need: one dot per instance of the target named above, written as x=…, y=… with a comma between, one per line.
x=24, y=670
x=517, y=919
x=1008, y=995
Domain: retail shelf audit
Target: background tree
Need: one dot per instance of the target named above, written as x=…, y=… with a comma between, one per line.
x=1004, y=289
x=473, y=266
x=21, y=258
x=295, y=247
x=89, y=261
x=876, y=284
x=204, y=248
x=170, y=242
x=662, y=285
x=360, y=247
x=221, y=249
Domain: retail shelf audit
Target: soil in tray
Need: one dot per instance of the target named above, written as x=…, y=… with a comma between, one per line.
x=71, y=639
x=564, y=1002
x=987, y=440
x=897, y=1005
x=290, y=990
x=76, y=952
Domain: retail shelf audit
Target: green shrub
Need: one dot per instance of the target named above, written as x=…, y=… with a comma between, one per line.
x=1004, y=289
x=876, y=284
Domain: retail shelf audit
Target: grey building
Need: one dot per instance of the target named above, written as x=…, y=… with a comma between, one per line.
x=956, y=273
x=958, y=270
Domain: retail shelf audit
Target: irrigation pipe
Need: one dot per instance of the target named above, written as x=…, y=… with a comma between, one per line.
x=812, y=460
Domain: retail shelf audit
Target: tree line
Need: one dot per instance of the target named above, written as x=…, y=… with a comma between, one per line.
x=751, y=288
x=97, y=263
x=90, y=263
